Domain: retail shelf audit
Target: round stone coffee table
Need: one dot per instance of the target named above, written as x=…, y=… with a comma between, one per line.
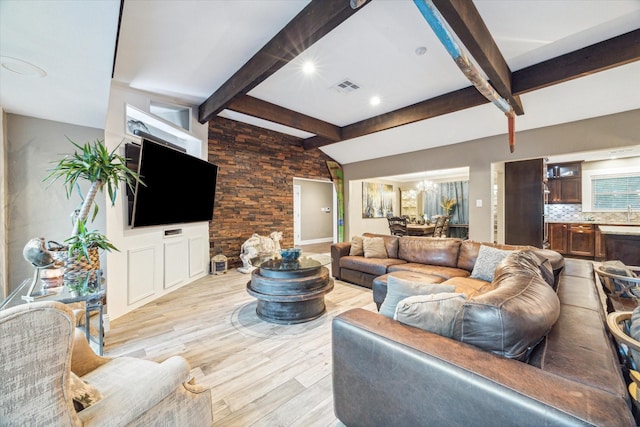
x=290, y=292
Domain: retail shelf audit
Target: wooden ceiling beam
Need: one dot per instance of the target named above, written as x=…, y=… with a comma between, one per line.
x=438, y=106
x=315, y=21
x=316, y=142
x=607, y=54
x=465, y=20
x=274, y=113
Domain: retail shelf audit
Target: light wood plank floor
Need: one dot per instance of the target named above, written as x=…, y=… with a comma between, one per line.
x=260, y=374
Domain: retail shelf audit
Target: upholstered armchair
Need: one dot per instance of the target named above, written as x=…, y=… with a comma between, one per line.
x=42, y=355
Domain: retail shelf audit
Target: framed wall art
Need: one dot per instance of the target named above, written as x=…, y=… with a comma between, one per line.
x=377, y=200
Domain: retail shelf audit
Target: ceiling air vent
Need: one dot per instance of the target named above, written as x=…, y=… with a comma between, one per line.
x=346, y=86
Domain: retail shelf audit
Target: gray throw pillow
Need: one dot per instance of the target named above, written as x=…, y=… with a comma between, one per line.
x=487, y=261
x=399, y=289
x=434, y=313
x=374, y=247
x=357, y=248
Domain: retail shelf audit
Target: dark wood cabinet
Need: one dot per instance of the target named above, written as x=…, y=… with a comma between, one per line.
x=581, y=240
x=558, y=237
x=524, y=202
x=599, y=254
x=565, y=182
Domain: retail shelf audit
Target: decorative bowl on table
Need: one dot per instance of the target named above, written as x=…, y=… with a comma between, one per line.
x=291, y=254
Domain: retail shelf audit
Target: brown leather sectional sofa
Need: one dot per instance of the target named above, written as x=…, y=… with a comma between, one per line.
x=388, y=373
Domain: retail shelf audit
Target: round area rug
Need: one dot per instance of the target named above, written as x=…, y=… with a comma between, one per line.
x=245, y=320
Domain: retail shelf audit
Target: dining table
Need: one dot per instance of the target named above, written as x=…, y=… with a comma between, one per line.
x=420, y=229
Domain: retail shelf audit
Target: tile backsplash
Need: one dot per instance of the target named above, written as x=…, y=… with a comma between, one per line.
x=573, y=212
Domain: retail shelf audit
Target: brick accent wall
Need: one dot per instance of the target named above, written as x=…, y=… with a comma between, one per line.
x=254, y=191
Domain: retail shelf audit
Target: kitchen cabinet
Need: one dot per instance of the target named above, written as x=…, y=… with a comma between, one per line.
x=564, y=182
x=622, y=243
x=581, y=240
x=558, y=237
x=576, y=239
x=599, y=245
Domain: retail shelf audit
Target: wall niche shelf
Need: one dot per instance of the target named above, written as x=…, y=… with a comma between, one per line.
x=137, y=119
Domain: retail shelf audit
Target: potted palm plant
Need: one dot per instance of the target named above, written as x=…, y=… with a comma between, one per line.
x=102, y=168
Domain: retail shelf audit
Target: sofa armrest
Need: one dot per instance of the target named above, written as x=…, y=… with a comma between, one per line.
x=338, y=250
x=387, y=373
x=83, y=358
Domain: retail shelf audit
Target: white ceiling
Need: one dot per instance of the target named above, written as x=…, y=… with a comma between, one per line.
x=186, y=49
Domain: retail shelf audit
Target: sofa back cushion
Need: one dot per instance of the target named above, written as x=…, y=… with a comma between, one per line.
x=429, y=250
x=469, y=250
x=513, y=318
x=390, y=243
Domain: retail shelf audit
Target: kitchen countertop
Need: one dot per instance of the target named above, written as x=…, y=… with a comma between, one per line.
x=620, y=230
x=630, y=224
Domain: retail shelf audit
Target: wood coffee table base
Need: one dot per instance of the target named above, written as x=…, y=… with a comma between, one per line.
x=289, y=297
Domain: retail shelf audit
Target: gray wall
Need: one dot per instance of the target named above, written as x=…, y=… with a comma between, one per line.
x=314, y=195
x=617, y=130
x=37, y=208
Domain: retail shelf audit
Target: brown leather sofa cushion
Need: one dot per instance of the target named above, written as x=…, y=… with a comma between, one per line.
x=434, y=270
x=470, y=287
x=376, y=266
x=443, y=252
x=511, y=319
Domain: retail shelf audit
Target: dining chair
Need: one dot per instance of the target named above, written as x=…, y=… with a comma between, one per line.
x=397, y=225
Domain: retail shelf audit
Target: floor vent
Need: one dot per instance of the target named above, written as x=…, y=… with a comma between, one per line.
x=346, y=85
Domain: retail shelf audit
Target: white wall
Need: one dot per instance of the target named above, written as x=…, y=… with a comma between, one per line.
x=613, y=131
x=149, y=263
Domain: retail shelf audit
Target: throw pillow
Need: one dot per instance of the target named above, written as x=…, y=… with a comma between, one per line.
x=374, y=247
x=83, y=393
x=399, y=289
x=487, y=261
x=434, y=313
x=357, y=248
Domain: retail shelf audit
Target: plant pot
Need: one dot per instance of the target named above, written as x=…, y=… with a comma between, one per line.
x=75, y=265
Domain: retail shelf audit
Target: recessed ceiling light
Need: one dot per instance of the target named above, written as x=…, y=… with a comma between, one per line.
x=21, y=67
x=375, y=100
x=308, y=67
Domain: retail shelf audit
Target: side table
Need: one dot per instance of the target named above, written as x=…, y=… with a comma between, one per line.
x=290, y=292
x=81, y=289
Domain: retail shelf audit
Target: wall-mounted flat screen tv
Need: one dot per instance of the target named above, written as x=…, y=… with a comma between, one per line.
x=179, y=188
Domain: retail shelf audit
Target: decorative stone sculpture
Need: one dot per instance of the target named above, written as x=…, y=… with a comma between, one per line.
x=255, y=245
x=36, y=253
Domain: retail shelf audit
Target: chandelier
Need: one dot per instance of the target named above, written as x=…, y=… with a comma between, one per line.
x=427, y=186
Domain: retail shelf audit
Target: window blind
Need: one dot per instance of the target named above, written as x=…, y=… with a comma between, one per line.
x=615, y=192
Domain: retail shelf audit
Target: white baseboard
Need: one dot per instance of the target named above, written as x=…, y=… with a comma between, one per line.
x=315, y=241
